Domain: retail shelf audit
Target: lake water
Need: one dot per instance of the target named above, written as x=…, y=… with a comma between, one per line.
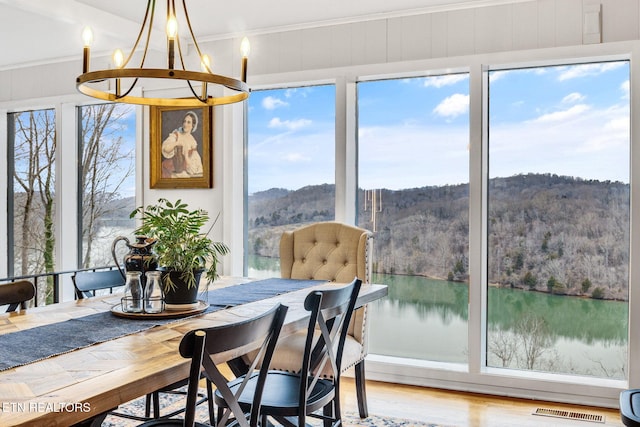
x=426, y=319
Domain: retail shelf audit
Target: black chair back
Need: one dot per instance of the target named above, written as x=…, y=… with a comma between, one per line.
x=200, y=345
x=16, y=294
x=331, y=312
x=290, y=397
x=88, y=282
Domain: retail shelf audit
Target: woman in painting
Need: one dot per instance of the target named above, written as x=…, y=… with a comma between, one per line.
x=180, y=151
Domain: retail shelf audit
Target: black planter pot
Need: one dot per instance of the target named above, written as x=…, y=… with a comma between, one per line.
x=180, y=296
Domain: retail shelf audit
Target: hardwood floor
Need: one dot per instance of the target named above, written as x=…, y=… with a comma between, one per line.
x=448, y=408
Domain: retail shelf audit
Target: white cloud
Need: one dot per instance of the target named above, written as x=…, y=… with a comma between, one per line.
x=296, y=158
x=625, y=89
x=618, y=125
x=583, y=70
x=441, y=81
x=299, y=91
x=592, y=145
x=453, y=105
x=559, y=116
x=434, y=155
x=289, y=124
x=573, y=98
x=287, y=161
x=271, y=103
x=497, y=75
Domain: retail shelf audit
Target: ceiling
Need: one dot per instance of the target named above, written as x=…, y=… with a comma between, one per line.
x=41, y=31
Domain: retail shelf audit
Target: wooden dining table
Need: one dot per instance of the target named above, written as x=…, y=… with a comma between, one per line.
x=79, y=384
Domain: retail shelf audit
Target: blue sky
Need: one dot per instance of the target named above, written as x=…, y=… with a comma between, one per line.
x=413, y=132
x=568, y=120
x=291, y=137
x=128, y=130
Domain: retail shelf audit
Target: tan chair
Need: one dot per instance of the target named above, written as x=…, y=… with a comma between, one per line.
x=336, y=252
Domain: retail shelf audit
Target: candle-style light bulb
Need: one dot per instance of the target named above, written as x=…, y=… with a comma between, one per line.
x=205, y=66
x=245, y=48
x=172, y=32
x=87, y=36
x=118, y=58
x=172, y=27
x=118, y=61
x=87, y=39
x=205, y=63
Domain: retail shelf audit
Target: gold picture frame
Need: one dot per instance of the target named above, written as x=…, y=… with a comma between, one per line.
x=180, y=157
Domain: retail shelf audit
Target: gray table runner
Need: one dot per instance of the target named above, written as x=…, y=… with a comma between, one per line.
x=23, y=347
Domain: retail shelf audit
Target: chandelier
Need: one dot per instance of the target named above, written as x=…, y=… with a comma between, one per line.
x=121, y=79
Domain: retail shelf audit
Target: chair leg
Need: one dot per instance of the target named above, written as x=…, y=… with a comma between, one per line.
x=156, y=404
x=361, y=392
x=330, y=415
x=212, y=413
x=147, y=406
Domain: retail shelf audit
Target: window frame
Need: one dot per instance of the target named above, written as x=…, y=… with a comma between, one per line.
x=476, y=377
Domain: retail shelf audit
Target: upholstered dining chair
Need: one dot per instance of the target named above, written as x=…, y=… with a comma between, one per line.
x=200, y=345
x=292, y=398
x=336, y=252
x=16, y=294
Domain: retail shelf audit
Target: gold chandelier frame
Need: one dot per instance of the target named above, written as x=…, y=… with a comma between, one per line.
x=86, y=81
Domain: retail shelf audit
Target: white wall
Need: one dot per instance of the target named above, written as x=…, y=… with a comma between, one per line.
x=517, y=26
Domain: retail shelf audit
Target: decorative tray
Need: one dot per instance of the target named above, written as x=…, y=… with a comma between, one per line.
x=166, y=314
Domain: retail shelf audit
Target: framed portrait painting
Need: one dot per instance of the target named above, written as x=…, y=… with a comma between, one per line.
x=181, y=147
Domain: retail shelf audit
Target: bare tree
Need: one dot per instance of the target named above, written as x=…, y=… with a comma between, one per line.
x=503, y=345
x=106, y=165
x=34, y=174
x=105, y=168
x=535, y=337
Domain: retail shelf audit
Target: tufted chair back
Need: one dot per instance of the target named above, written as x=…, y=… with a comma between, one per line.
x=326, y=251
x=331, y=251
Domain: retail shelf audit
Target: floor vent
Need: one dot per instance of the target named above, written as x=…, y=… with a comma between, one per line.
x=570, y=415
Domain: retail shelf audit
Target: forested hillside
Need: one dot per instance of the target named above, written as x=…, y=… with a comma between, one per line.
x=546, y=232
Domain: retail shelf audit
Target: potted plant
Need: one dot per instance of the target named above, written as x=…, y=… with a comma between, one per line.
x=183, y=251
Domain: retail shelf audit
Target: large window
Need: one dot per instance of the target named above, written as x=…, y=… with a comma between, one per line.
x=106, y=178
x=291, y=167
x=558, y=213
x=413, y=176
x=32, y=148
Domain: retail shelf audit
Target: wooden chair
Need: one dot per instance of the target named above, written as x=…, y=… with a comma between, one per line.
x=290, y=398
x=86, y=284
x=630, y=407
x=16, y=294
x=201, y=345
x=336, y=252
